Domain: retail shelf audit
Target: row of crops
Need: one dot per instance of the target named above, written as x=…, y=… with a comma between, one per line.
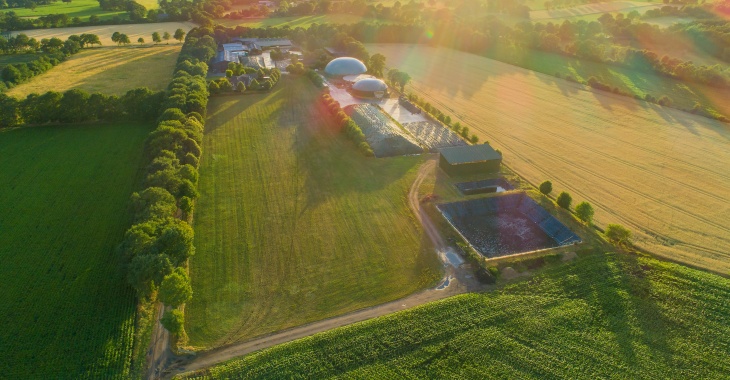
x=601, y=316
x=66, y=311
x=432, y=135
x=383, y=135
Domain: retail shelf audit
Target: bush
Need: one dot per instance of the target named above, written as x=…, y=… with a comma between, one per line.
x=173, y=321
x=564, y=200
x=485, y=276
x=618, y=234
x=546, y=187
x=175, y=289
x=584, y=211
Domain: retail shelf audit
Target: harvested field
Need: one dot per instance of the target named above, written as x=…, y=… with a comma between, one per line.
x=433, y=135
x=383, y=135
x=105, y=32
x=293, y=224
x=506, y=224
x=595, y=8
x=659, y=171
x=107, y=70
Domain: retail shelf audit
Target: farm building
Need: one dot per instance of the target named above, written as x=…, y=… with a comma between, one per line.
x=343, y=66
x=369, y=88
x=469, y=159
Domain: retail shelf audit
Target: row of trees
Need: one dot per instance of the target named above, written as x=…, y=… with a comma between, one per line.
x=345, y=124
x=265, y=80
x=615, y=233
x=160, y=241
x=75, y=106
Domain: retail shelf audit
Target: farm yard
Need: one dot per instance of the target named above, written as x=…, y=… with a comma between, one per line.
x=659, y=171
x=293, y=224
x=105, y=32
x=433, y=135
x=595, y=317
x=107, y=70
x=383, y=135
x=67, y=312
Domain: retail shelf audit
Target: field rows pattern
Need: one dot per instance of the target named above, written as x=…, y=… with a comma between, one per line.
x=603, y=316
x=66, y=311
x=659, y=171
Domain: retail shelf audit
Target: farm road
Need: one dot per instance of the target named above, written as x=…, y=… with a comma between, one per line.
x=659, y=171
x=460, y=278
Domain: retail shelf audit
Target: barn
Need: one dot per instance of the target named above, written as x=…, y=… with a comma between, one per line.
x=469, y=159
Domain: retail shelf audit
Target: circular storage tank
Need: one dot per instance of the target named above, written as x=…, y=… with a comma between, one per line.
x=342, y=66
x=370, y=88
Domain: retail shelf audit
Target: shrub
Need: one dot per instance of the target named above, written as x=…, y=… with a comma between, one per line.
x=618, y=234
x=546, y=187
x=584, y=211
x=485, y=276
x=173, y=321
x=564, y=200
x=175, y=289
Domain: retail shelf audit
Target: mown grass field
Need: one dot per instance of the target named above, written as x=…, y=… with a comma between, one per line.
x=600, y=316
x=66, y=311
x=295, y=21
x=8, y=59
x=107, y=70
x=659, y=171
x=134, y=31
x=294, y=225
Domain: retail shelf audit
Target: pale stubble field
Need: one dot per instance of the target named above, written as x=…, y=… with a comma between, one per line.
x=659, y=171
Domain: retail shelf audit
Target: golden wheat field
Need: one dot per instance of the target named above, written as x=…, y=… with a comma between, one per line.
x=659, y=171
x=134, y=31
x=107, y=70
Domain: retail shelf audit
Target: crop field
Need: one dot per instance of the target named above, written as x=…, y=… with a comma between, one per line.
x=295, y=21
x=383, y=135
x=593, y=9
x=107, y=70
x=66, y=311
x=659, y=171
x=433, y=135
x=293, y=224
x=601, y=316
x=134, y=31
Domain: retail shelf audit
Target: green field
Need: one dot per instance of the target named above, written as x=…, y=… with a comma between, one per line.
x=77, y=8
x=601, y=316
x=293, y=225
x=7, y=59
x=66, y=311
x=295, y=21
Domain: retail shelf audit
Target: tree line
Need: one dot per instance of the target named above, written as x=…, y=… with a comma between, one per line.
x=77, y=106
x=156, y=247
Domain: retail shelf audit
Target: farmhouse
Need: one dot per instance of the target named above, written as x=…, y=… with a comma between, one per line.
x=369, y=88
x=470, y=159
x=344, y=66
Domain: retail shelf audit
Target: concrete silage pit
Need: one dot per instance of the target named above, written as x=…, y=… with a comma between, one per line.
x=506, y=224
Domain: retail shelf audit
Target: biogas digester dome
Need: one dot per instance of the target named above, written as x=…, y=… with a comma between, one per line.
x=342, y=66
x=370, y=88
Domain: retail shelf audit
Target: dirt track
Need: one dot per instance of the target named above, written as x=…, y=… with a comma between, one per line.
x=461, y=282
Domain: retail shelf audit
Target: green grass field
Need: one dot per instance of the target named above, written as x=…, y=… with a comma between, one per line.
x=66, y=311
x=77, y=8
x=293, y=225
x=7, y=59
x=600, y=316
x=295, y=21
